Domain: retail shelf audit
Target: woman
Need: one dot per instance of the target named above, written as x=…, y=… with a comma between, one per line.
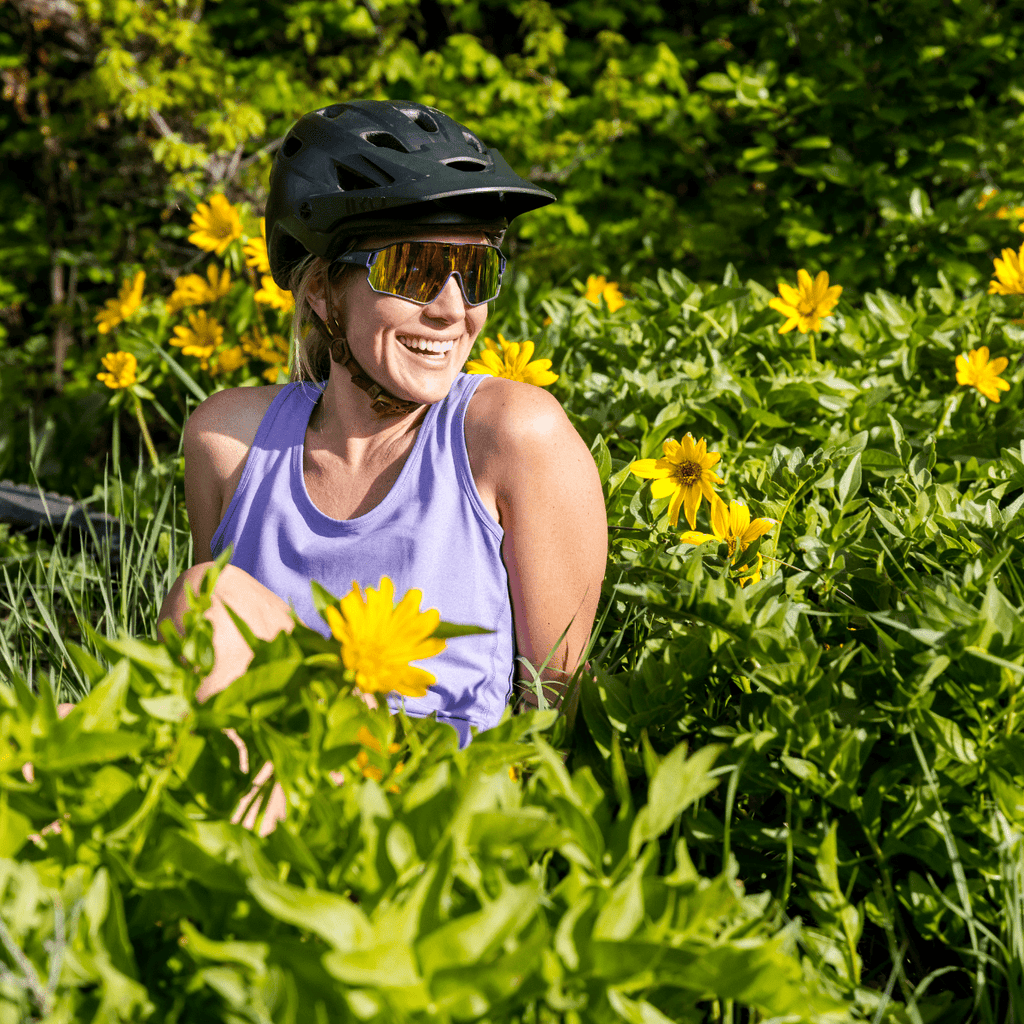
x=382, y=458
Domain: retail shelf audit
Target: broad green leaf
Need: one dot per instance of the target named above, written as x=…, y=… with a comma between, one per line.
x=334, y=918
x=677, y=783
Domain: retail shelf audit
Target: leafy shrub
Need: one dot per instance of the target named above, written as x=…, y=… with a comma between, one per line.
x=867, y=687
x=432, y=883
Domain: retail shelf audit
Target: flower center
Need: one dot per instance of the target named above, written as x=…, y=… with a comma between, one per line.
x=688, y=473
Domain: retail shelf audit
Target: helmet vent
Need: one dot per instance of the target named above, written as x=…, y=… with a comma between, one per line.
x=466, y=165
x=421, y=118
x=291, y=146
x=333, y=110
x=384, y=140
x=474, y=142
x=349, y=180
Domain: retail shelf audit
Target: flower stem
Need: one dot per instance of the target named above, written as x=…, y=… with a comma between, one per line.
x=814, y=355
x=150, y=447
x=945, y=412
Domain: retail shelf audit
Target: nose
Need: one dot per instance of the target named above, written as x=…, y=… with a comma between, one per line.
x=450, y=303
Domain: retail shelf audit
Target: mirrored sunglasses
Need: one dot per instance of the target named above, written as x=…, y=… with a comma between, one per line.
x=418, y=271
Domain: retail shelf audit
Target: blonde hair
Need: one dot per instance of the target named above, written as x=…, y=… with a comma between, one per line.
x=310, y=345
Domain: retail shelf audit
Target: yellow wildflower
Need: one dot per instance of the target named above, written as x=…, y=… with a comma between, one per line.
x=731, y=523
x=231, y=359
x=975, y=370
x=121, y=370
x=200, y=338
x=1009, y=279
x=511, y=360
x=255, y=250
x=192, y=290
x=127, y=302
x=1004, y=211
x=271, y=295
x=378, y=639
x=806, y=304
x=273, y=350
x=684, y=471
x=599, y=287
x=215, y=226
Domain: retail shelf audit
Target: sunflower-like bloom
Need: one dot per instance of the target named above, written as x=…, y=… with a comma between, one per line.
x=684, y=471
x=598, y=286
x=192, y=290
x=511, y=360
x=121, y=370
x=200, y=338
x=732, y=524
x=1009, y=279
x=231, y=359
x=255, y=250
x=272, y=350
x=117, y=310
x=976, y=371
x=271, y=295
x=378, y=639
x=215, y=226
x=806, y=304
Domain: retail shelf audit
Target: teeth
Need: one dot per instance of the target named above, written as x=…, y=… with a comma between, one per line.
x=423, y=345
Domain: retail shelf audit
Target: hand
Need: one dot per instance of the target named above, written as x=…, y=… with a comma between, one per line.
x=277, y=806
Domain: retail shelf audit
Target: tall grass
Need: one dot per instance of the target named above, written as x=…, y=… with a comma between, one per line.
x=54, y=593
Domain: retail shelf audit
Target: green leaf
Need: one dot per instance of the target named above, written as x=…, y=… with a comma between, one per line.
x=677, y=783
x=447, y=630
x=716, y=82
x=334, y=918
x=470, y=938
x=849, y=482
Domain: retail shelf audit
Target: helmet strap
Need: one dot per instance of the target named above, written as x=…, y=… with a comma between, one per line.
x=382, y=401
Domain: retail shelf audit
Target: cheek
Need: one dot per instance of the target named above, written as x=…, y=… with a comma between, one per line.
x=476, y=318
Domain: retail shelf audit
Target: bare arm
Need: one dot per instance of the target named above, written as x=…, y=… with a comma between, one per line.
x=552, y=510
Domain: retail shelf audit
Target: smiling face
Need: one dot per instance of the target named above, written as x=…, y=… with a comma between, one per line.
x=413, y=351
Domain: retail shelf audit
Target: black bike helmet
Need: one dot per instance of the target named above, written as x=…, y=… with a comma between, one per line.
x=367, y=164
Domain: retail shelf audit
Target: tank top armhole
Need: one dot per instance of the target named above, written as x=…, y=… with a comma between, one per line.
x=265, y=428
x=460, y=453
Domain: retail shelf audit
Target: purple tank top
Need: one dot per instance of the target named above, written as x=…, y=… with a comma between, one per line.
x=431, y=532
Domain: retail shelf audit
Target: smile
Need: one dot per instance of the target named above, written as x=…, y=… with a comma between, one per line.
x=423, y=346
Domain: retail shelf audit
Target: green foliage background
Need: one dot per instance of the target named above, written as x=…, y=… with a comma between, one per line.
x=852, y=136
x=858, y=708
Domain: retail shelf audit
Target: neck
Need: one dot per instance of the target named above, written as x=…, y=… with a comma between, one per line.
x=346, y=422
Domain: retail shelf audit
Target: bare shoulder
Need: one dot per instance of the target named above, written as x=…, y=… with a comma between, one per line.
x=509, y=409
x=217, y=439
x=223, y=427
x=513, y=429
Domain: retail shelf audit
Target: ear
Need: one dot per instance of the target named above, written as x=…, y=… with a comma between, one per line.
x=316, y=297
